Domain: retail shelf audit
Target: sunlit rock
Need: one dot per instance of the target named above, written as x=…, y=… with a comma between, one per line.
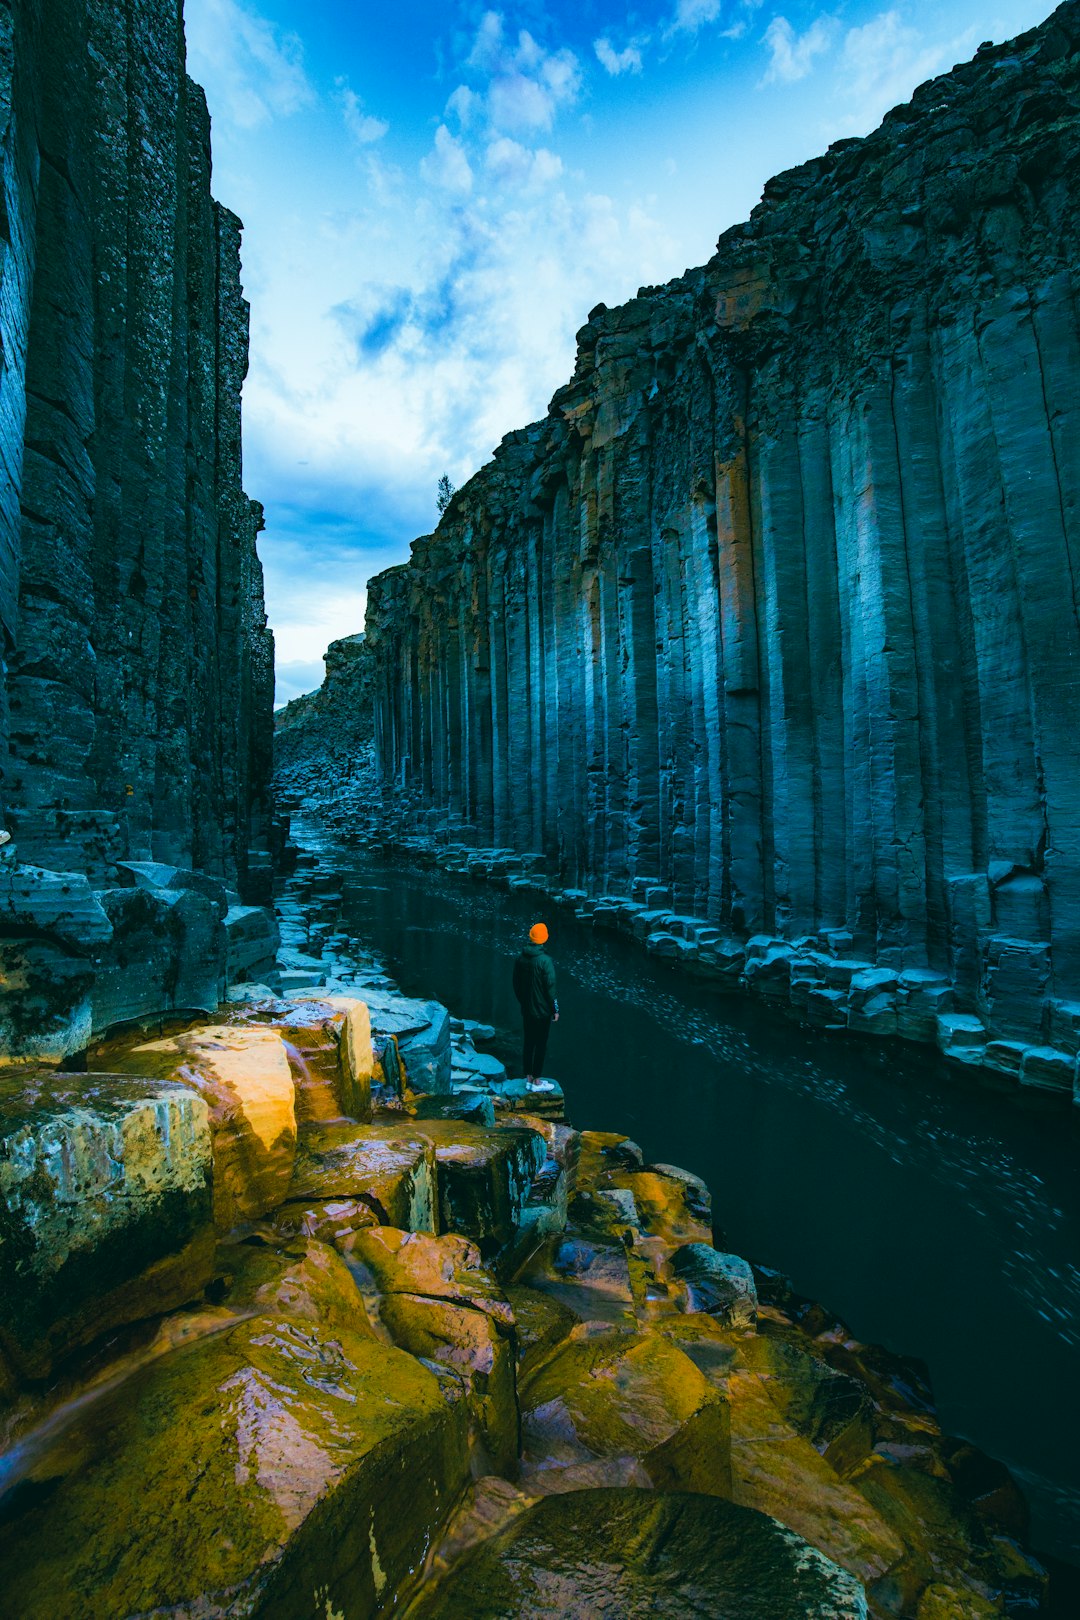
x=289, y=1464
x=105, y=1207
x=243, y=1072
x=388, y=1168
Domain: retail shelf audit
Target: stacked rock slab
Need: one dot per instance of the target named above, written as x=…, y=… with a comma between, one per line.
x=136, y=703
x=776, y=610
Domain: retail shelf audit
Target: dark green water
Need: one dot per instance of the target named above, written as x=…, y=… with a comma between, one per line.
x=935, y=1214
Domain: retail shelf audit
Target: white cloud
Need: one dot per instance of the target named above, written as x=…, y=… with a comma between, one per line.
x=628, y=60
x=516, y=165
x=792, y=55
x=690, y=15
x=882, y=62
x=250, y=70
x=447, y=166
x=364, y=129
x=463, y=105
x=526, y=84
x=488, y=45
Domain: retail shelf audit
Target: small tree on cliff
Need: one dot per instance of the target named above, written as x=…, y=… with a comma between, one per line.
x=445, y=494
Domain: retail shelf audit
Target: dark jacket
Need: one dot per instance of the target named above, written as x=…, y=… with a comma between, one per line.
x=534, y=983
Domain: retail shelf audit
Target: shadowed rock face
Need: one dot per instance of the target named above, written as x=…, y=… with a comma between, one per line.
x=139, y=666
x=327, y=733
x=777, y=607
x=136, y=703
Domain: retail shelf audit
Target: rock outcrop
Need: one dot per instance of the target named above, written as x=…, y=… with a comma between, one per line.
x=771, y=626
x=425, y=1366
x=136, y=700
x=325, y=737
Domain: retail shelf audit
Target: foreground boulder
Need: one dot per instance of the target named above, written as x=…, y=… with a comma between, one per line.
x=388, y=1169
x=243, y=1072
x=631, y=1553
x=105, y=1207
x=287, y=1465
x=435, y=1299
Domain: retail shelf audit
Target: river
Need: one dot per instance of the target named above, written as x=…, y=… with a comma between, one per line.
x=936, y=1213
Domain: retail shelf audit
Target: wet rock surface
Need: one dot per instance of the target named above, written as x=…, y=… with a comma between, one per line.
x=105, y=1207
x=420, y=1302
x=636, y=1553
x=288, y=1463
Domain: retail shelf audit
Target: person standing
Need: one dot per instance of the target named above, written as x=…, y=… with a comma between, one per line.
x=534, y=986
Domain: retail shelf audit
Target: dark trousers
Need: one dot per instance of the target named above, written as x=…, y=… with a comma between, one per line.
x=537, y=1031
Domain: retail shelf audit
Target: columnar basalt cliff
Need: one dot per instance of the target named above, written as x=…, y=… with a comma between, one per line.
x=135, y=719
x=325, y=736
x=773, y=620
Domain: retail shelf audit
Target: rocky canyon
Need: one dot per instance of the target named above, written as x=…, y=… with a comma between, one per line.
x=772, y=623
x=761, y=649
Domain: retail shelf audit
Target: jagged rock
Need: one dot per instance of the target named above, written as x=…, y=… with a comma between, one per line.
x=243, y=1073
x=437, y=1301
x=312, y=1464
x=638, y=1553
x=721, y=1284
x=326, y=734
x=808, y=507
x=388, y=1168
x=105, y=1207
x=485, y=1179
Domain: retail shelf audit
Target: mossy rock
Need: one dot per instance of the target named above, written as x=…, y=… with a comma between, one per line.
x=776, y=1470
x=542, y=1324
x=632, y=1397
x=637, y=1554
x=436, y=1300
x=288, y=1465
x=391, y=1168
x=484, y=1179
x=105, y=1207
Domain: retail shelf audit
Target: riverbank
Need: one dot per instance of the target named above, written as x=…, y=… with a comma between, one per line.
x=543, y=1310
x=818, y=981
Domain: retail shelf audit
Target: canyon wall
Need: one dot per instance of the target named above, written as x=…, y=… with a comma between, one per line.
x=324, y=738
x=136, y=702
x=777, y=609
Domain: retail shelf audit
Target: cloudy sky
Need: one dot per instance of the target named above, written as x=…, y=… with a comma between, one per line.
x=436, y=192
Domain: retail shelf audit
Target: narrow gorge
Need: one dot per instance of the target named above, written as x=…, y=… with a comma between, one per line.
x=770, y=626
x=758, y=652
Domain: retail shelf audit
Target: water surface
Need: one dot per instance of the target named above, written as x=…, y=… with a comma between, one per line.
x=936, y=1213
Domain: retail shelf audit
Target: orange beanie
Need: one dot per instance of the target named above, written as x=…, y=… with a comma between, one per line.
x=538, y=933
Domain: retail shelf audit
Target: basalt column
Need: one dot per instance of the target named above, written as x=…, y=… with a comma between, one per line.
x=776, y=614
x=137, y=688
x=138, y=664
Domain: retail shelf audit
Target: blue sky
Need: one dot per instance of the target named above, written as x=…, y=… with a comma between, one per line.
x=435, y=195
